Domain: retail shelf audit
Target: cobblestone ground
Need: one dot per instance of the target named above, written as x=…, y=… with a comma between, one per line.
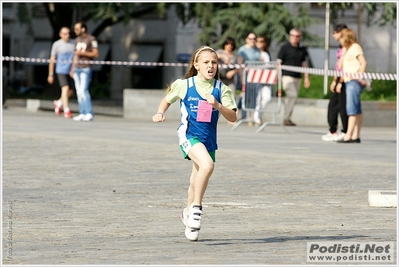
x=110, y=191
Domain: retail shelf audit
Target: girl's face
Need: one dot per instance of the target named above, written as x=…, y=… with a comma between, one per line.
x=206, y=65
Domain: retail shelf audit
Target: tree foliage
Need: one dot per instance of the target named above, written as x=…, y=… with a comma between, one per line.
x=103, y=13
x=219, y=20
x=216, y=20
x=381, y=14
x=274, y=20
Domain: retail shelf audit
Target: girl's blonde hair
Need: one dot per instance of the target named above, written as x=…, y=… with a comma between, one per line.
x=348, y=37
x=192, y=71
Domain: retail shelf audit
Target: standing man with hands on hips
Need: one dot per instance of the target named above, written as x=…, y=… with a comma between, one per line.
x=86, y=48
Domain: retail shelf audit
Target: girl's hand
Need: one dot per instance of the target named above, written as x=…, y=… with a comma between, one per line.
x=363, y=82
x=159, y=117
x=212, y=101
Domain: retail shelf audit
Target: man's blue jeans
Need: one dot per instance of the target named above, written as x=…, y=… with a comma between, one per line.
x=82, y=77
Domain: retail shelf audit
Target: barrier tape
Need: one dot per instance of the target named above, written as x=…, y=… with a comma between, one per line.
x=365, y=75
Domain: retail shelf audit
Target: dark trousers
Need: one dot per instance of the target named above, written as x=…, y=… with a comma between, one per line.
x=337, y=106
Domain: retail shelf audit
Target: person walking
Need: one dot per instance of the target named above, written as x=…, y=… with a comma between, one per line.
x=292, y=53
x=337, y=104
x=62, y=51
x=86, y=49
x=353, y=62
x=202, y=99
x=264, y=93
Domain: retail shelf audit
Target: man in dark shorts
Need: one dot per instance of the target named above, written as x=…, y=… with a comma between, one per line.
x=62, y=51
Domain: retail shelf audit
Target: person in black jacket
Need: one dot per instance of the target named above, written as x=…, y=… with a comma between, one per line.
x=292, y=54
x=337, y=104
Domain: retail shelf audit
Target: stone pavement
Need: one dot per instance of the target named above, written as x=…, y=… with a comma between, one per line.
x=110, y=191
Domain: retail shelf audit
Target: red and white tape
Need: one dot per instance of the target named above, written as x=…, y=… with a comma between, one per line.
x=96, y=62
x=366, y=75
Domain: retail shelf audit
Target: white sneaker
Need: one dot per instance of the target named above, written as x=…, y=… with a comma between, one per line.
x=191, y=234
x=339, y=137
x=79, y=117
x=88, y=117
x=194, y=217
x=329, y=136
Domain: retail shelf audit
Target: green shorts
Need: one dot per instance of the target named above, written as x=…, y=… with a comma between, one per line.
x=186, y=146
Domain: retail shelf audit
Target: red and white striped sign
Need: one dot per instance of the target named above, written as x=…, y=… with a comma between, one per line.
x=262, y=76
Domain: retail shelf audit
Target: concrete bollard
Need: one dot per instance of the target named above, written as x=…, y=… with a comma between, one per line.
x=383, y=198
x=32, y=105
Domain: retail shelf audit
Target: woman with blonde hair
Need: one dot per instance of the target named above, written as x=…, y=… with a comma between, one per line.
x=353, y=63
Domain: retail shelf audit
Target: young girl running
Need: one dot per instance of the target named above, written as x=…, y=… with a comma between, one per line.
x=202, y=99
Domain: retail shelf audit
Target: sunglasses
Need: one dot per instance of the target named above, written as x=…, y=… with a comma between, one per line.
x=295, y=35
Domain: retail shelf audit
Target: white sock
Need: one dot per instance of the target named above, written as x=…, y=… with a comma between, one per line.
x=66, y=110
x=59, y=103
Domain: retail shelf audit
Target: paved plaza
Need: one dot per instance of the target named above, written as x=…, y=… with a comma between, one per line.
x=110, y=192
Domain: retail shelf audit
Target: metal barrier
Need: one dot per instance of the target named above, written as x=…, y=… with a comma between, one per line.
x=261, y=89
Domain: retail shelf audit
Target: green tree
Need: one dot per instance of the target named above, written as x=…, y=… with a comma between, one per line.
x=273, y=20
x=62, y=14
x=378, y=13
x=217, y=20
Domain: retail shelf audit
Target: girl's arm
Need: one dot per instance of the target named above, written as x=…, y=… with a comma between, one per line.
x=363, y=64
x=162, y=108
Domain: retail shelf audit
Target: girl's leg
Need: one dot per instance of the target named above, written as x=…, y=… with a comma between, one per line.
x=204, y=166
x=351, y=126
x=191, y=188
x=358, y=125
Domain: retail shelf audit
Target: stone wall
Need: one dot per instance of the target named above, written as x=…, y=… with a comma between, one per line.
x=141, y=103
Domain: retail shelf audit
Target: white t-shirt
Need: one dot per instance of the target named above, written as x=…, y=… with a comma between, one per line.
x=265, y=56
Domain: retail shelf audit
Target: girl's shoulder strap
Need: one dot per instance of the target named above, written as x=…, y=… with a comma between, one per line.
x=190, y=82
x=218, y=84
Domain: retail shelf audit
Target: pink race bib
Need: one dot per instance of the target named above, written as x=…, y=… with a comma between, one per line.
x=204, y=113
